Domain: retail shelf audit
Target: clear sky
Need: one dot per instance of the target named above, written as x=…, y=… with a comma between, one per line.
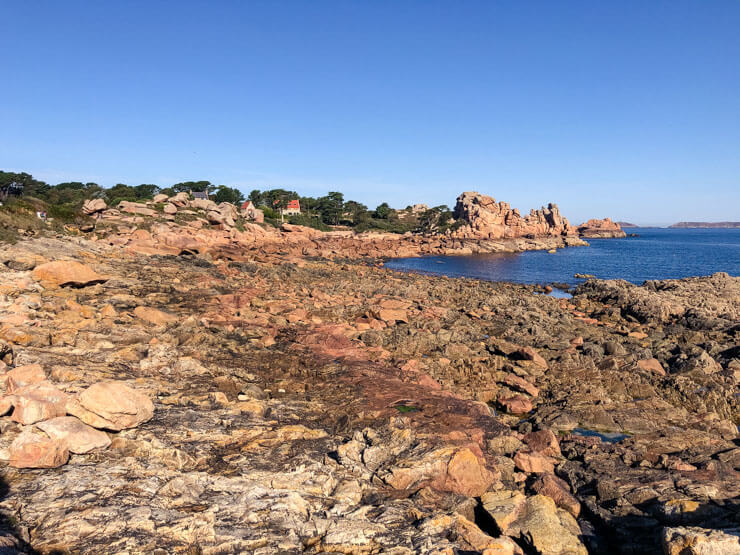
x=620, y=108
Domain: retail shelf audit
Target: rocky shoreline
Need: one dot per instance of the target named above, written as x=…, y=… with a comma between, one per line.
x=301, y=404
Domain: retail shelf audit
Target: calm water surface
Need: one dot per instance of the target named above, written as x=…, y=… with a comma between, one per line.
x=654, y=254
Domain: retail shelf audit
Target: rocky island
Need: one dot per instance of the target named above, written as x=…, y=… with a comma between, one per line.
x=179, y=379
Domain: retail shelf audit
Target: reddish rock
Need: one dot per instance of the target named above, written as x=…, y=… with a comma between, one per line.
x=529, y=461
x=37, y=402
x=21, y=376
x=136, y=208
x=600, y=228
x=77, y=436
x=484, y=218
x=514, y=381
x=62, y=273
x=391, y=316
x=528, y=353
x=651, y=365
x=111, y=405
x=559, y=491
x=154, y=316
x=467, y=474
x=517, y=404
x=91, y=206
x=30, y=450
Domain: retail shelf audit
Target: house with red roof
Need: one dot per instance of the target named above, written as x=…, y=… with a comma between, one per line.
x=293, y=208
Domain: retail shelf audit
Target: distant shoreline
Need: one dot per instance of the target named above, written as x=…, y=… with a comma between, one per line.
x=708, y=225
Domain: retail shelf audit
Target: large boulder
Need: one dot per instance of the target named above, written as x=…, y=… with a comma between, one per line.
x=78, y=436
x=547, y=529
x=181, y=199
x=30, y=450
x=111, y=405
x=21, y=376
x=447, y=469
x=66, y=273
x=37, y=402
x=92, y=206
x=202, y=204
x=136, y=208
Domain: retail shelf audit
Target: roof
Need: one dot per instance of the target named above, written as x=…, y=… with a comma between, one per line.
x=200, y=194
x=294, y=204
x=247, y=204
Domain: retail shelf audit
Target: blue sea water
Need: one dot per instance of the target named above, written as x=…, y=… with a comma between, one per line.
x=654, y=254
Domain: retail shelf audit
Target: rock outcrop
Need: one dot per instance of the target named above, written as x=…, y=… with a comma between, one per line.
x=600, y=229
x=484, y=218
x=93, y=206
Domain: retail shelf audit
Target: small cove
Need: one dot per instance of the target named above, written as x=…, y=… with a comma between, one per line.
x=655, y=253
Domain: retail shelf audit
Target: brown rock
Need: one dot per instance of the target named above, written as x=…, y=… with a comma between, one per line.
x=30, y=450
x=62, y=273
x=154, y=315
x=517, y=404
x=651, y=365
x=559, y=491
x=528, y=353
x=514, y=381
x=543, y=441
x=503, y=506
x=547, y=529
x=529, y=461
x=392, y=316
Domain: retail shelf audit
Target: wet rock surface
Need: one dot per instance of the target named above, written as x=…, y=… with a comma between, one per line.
x=224, y=401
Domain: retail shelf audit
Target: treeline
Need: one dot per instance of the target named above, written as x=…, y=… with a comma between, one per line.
x=332, y=210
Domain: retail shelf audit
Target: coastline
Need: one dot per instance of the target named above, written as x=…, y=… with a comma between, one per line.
x=413, y=392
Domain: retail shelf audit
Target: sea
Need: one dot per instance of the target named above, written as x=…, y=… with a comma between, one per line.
x=653, y=253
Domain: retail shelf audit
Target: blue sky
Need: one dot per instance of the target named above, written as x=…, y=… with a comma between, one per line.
x=622, y=109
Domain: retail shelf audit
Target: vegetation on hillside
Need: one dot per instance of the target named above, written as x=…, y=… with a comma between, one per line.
x=63, y=202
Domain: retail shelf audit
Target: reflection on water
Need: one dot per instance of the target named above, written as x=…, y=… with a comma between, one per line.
x=653, y=254
x=606, y=437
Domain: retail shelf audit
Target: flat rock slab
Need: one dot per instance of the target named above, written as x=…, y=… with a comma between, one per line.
x=66, y=273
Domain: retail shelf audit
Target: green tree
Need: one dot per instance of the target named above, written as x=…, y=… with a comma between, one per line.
x=228, y=194
x=331, y=207
x=383, y=211
x=355, y=211
x=146, y=191
x=195, y=186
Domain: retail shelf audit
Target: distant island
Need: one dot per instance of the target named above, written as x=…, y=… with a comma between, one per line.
x=626, y=224
x=725, y=225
